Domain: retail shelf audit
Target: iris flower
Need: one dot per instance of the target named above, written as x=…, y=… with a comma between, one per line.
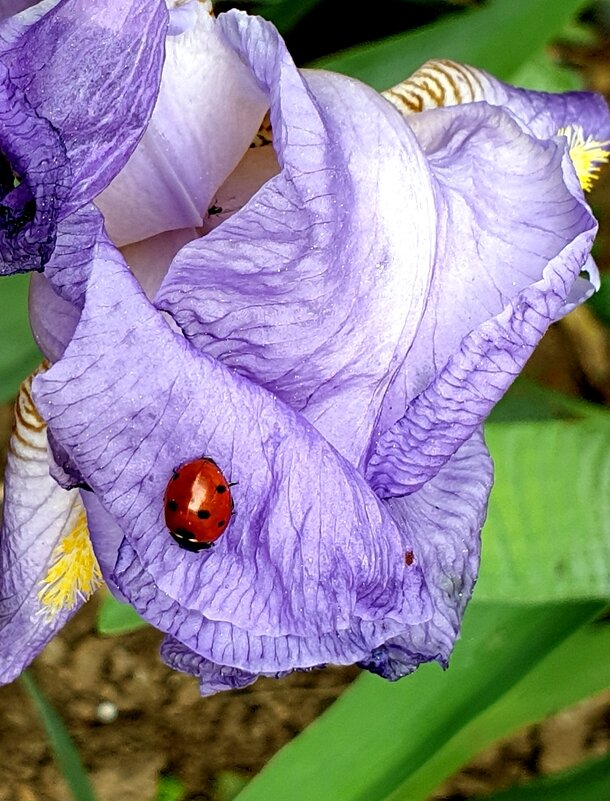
x=329, y=315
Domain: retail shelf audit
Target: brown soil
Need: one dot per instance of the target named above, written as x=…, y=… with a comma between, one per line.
x=163, y=725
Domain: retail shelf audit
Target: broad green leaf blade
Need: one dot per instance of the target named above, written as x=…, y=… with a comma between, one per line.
x=543, y=73
x=378, y=734
x=66, y=753
x=285, y=14
x=18, y=352
x=117, y=618
x=500, y=37
x=578, y=668
x=587, y=782
x=547, y=535
x=527, y=400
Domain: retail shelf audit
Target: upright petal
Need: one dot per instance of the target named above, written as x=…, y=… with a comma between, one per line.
x=316, y=287
x=76, y=90
x=446, y=83
x=16, y=15
x=514, y=234
x=207, y=112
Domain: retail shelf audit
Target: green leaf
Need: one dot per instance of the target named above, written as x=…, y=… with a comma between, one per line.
x=66, y=753
x=587, y=782
x=170, y=789
x=18, y=352
x=405, y=738
x=575, y=670
x=500, y=37
x=547, y=535
x=117, y=618
x=285, y=14
x=543, y=73
x=526, y=400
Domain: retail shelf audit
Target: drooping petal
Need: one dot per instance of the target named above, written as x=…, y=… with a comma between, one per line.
x=16, y=15
x=42, y=530
x=495, y=289
x=11, y=7
x=76, y=90
x=443, y=520
x=56, y=296
x=311, y=567
x=208, y=109
x=583, y=288
x=446, y=83
x=316, y=287
x=52, y=319
x=212, y=678
x=106, y=538
x=78, y=238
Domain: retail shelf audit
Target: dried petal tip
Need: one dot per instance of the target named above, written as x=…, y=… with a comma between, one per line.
x=74, y=573
x=587, y=154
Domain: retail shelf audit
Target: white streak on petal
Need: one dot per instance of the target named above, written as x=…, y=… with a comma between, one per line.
x=208, y=110
x=37, y=514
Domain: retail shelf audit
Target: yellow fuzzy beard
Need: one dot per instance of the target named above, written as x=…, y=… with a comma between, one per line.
x=74, y=572
x=588, y=155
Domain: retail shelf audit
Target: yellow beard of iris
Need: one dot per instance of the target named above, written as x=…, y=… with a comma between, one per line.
x=588, y=155
x=74, y=572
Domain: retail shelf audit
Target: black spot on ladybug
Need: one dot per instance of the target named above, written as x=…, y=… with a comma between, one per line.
x=221, y=523
x=203, y=514
x=409, y=558
x=175, y=475
x=221, y=488
x=172, y=506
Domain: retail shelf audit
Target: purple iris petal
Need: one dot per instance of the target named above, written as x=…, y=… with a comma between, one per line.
x=68, y=122
x=370, y=301
x=544, y=113
x=310, y=552
x=493, y=293
x=36, y=514
x=295, y=289
x=444, y=526
x=106, y=537
x=212, y=678
x=16, y=15
x=206, y=113
x=447, y=83
x=52, y=318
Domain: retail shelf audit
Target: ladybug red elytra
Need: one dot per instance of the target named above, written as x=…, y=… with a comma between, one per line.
x=198, y=504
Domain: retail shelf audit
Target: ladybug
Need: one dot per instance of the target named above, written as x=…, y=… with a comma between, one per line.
x=198, y=504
